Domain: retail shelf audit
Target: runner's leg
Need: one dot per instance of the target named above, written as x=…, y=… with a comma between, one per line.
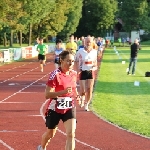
x=46, y=137
x=70, y=126
x=90, y=83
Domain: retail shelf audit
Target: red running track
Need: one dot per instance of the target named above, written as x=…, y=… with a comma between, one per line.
x=22, y=104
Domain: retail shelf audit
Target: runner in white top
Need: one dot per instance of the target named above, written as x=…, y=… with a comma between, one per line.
x=87, y=64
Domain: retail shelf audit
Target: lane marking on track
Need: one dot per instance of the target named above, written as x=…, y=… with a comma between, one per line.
x=23, y=74
x=3, y=143
x=83, y=143
x=2, y=101
x=23, y=88
x=20, y=102
x=19, y=131
x=16, y=67
x=28, y=92
x=19, y=75
x=35, y=115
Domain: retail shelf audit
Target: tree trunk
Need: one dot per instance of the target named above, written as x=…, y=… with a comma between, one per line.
x=47, y=39
x=17, y=39
x=5, y=40
x=20, y=41
x=30, y=34
x=11, y=38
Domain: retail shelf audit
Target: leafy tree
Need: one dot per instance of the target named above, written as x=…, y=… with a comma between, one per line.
x=73, y=17
x=98, y=16
x=55, y=20
x=36, y=10
x=134, y=14
x=10, y=16
x=144, y=20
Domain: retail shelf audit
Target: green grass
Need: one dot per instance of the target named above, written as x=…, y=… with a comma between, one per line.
x=18, y=45
x=116, y=98
x=14, y=46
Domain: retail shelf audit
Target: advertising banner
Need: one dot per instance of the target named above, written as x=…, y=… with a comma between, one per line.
x=17, y=53
x=51, y=48
x=1, y=56
x=27, y=52
x=6, y=56
x=34, y=51
x=23, y=52
x=11, y=51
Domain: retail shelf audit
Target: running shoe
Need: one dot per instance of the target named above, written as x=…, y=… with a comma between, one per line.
x=86, y=107
x=82, y=104
x=79, y=102
x=39, y=147
x=128, y=73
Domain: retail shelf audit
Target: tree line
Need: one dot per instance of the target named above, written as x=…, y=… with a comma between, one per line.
x=28, y=19
x=25, y=20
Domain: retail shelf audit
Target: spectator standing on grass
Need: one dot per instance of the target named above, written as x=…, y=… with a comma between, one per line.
x=112, y=42
x=107, y=42
x=123, y=40
x=42, y=49
x=119, y=41
x=127, y=40
x=62, y=93
x=133, y=57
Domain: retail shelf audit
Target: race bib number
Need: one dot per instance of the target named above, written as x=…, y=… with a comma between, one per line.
x=64, y=102
x=88, y=61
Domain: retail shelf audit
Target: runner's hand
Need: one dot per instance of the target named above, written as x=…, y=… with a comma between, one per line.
x=68, y=90
x=78, y=97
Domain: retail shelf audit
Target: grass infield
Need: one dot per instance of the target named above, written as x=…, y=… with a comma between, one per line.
x=117, y=98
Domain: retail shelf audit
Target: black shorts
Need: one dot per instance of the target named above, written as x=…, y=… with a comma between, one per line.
x=86, y=74
x=53, y=118
x=56, y=61
x=41, y=57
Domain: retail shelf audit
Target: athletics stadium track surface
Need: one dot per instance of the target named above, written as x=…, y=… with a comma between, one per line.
x=22, y=105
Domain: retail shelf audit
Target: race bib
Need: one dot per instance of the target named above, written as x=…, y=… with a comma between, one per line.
x=64, y=102
x=88, y=62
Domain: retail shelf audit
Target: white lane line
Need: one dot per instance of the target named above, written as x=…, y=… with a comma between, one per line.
x=20, y=102
x=3, y=143
x=19, y=131
x=15, y=67
x=28, y=92
x=35, y=115
x=10, y=148
x=19, y=75
x=83, y=143
x=23, y=88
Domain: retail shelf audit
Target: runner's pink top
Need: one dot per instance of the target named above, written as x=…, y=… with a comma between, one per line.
x=60, y=81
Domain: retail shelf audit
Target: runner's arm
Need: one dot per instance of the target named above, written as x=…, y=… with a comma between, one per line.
x=50, y=92
x=38, y=49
